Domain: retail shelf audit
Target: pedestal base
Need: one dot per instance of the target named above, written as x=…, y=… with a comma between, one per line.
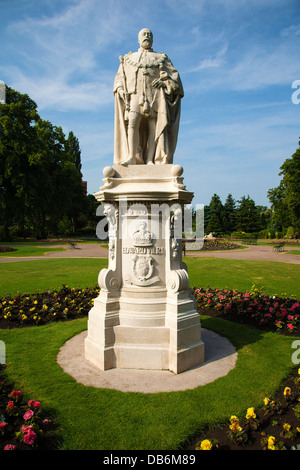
x=145, y=316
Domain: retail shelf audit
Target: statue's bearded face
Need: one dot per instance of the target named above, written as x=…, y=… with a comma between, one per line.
x=145, y=38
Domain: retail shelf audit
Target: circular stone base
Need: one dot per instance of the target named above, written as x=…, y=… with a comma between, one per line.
x=220, y=358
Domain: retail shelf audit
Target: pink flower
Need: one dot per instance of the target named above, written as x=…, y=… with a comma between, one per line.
x=9, y=447
x=290, y=327
x=28, y=415
x=26, y=429
x=2, y=425
x=271, y=309
x=46, y=421
x=10, y=405
x=29, y=437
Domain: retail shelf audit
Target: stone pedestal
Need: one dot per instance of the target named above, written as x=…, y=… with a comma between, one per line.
x=145, y=316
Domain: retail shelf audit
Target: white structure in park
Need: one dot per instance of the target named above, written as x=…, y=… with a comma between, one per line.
x=145, y=316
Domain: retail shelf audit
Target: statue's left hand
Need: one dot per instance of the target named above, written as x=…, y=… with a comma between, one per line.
x=157, y=83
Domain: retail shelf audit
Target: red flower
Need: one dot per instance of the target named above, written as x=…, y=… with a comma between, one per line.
x=16, y=394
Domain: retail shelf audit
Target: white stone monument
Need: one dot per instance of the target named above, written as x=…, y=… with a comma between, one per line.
x=145, y=316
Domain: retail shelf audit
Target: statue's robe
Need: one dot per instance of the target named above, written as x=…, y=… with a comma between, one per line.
x=135, y=76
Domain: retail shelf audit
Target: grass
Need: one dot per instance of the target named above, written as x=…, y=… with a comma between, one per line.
x=293, y=252
x=22, y=250
x=93, y=418
x=275, y=277
x=50, y=274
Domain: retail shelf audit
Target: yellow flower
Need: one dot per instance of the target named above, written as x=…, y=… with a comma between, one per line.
x=234, y=419
x=286, y=426
x=271, y=443
x=32, y=309
x=206, y=445
x=250, y=413
x=266, y=401
x=287, y=391
x=35, y=302
x=44, y=307
x=24, y=317
x=235, y=427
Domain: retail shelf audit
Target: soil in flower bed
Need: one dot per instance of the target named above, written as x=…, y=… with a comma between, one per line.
x=6, y=249
x=19, y=417
x=270, y=423
x=40, y=308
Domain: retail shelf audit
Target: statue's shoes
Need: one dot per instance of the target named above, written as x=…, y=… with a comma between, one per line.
x=127, y=162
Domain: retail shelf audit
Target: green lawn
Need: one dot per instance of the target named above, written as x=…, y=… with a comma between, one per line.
x=274, y=277
x=50, y=274
x=293, y=252
x=22, y=250
x=93, y=418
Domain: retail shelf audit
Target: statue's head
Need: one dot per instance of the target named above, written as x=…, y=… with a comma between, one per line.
x=145, y=38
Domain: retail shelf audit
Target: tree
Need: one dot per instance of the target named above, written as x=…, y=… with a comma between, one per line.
x=230, y=214
x=248, y=219
x=73, y=148
x=40, y=177
x=217, y=218
x=18, y=117
x=291, y=183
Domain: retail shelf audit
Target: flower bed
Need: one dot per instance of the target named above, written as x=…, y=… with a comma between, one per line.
x=6, y=249
x=211, y=245
x=23, y=424
x=268, y=312
x=274, y=426
x=40, y=308
x=277, y=422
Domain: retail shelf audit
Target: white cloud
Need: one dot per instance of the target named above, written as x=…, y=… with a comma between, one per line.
x=61, y=56
x=212, y=62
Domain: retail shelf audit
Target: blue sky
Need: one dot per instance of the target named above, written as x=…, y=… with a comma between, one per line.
x=237, y=60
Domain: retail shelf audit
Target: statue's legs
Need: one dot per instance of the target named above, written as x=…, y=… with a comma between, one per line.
x=134, y=120
x=151, y=141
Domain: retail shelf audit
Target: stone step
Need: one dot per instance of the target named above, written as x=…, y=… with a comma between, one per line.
x=141, y=336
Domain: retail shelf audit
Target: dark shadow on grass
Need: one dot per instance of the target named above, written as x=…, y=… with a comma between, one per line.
x=238, y=334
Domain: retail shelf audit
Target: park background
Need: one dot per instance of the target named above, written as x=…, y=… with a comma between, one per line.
x=238, y=61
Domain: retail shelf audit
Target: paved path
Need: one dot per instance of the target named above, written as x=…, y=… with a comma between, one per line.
x=94, y=250
x=252, y=252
